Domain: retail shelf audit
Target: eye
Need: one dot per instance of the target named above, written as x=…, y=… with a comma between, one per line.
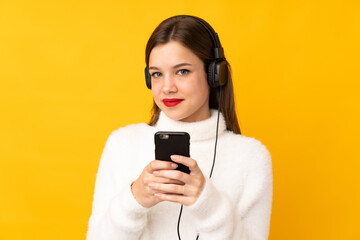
x=183, y=71
x=156, y=74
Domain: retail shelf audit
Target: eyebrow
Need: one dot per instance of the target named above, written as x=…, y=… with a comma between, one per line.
x=176, y=66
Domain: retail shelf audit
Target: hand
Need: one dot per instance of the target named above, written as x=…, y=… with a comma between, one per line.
x=140, y=188
x=186, y=193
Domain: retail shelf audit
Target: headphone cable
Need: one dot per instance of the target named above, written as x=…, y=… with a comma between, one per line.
x=212, y=167
x=178, y=223
x=217, y=134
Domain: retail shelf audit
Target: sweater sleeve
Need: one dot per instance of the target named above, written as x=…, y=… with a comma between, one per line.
x=115, y=212
x=213, y=213
x=218, y=216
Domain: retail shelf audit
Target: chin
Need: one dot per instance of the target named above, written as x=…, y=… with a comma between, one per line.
x=176, y=116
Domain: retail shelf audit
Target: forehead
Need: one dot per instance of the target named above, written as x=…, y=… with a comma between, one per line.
x=172, y=53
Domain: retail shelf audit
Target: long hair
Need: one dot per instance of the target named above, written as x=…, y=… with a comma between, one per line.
x=194, y=36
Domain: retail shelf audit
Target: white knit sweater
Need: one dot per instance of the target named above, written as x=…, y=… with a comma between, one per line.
x=234, y=204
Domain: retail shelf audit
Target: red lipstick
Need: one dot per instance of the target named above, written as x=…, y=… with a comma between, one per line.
x=172, y=102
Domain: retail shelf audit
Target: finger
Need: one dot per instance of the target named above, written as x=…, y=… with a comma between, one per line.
x=182, y=189
x=187, y=201
x=191, y=163
x=174, y=175
x=168, y=188
x=165, y=180
x=151, y=191
x=158, y=164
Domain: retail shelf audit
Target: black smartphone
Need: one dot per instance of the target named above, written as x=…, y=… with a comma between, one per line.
x=172, y=143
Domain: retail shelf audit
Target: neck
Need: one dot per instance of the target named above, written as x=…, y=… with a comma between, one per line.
x=199, y=130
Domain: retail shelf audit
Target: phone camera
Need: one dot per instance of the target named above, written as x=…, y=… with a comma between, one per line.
x=164, y=136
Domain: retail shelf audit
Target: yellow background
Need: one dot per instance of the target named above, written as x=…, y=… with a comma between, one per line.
x=72, y=71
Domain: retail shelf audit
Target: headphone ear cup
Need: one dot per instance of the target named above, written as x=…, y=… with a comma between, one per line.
x=222, y=71
x=211, y=74
x=147, y=78
x=217, y=73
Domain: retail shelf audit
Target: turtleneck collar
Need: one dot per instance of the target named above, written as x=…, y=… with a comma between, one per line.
x=202, y=130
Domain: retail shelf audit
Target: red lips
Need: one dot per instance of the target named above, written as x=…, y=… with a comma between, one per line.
x=171, y=102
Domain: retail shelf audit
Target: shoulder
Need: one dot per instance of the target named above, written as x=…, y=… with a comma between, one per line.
x=247, y=149
x=131, y=128
x=244, y=143
x=130, y=132
x=125, y=140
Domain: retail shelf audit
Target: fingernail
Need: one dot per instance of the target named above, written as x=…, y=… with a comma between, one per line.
x=151, y=184
x=174, y=157
x=157, y=194
x=173, y=165
x=156, y=172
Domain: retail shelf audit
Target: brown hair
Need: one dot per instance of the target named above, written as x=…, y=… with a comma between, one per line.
x=194, y=36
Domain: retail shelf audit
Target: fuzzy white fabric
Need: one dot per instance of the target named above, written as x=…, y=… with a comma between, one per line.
x=234, y=204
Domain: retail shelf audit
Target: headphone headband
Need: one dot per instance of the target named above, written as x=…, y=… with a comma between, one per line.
x=218, y=50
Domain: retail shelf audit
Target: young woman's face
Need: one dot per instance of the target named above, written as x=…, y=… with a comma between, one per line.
x=178, y=82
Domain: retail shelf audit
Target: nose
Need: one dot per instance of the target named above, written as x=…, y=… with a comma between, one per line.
x=169, y=85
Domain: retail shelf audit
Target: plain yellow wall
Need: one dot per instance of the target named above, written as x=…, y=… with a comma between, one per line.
x=72, y=71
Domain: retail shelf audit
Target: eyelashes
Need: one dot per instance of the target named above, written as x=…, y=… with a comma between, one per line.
x=180, y=72
x=156, y=74
x=183, y=71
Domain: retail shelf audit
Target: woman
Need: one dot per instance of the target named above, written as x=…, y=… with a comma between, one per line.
x=137, y=197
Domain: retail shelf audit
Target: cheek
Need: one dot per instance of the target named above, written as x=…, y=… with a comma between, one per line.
x=197, y=84
x=197, y=94
x=203, y=95
x=155, y=90
x=201, y=89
